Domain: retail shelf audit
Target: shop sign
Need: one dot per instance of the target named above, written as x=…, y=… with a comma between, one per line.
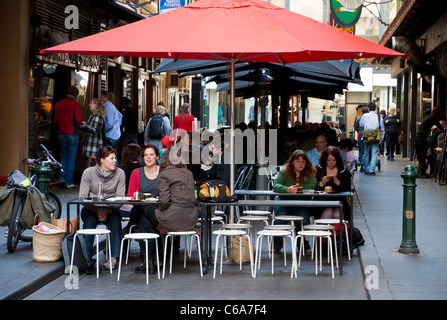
x=344, y=17
x=166, y=5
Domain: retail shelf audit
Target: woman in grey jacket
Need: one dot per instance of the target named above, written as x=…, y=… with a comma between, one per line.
x=113, y=181
x=177, y=210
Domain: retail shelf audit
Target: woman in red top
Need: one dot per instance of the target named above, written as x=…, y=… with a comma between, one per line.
x=184, y=120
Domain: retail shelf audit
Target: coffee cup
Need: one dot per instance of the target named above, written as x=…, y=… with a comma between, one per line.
x=136, y=195
x=328, y=189
x=147, y=195
x=300, y=189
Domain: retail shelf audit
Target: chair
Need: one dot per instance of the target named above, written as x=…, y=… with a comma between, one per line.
x=291, y=220
x=96, y=233
x=235, y=226
x=173, y=234
x=221, y=235
x=270, y=234
x=337, y=221
x=316, y=234
x=324, y=227
x=145, y=237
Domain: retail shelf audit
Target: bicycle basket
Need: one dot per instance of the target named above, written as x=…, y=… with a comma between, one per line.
x=17, y=179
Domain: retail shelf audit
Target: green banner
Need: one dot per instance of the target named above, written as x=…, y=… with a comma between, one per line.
x=344, y=17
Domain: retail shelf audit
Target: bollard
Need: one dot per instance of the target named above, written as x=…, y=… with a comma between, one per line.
x=43, y=178
x=408, y=244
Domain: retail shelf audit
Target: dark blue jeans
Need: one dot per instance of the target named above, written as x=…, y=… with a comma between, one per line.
x=68, y=147
x=113, y=223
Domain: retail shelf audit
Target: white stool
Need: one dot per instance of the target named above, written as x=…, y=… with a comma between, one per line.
x=222, y=234
x=269, y=234
x=221, y=213
x=337, y=221
x=145, y=237
x=256, y=212
x=249, y=219
x=285, y=227
x=324, y=227
x=291, y=220
x=235, y=226
x=96, y=233
x=319, y=235
x=186, y=234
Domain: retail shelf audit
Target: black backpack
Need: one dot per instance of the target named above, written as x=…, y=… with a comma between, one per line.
x=82, y=259
x=156, y=127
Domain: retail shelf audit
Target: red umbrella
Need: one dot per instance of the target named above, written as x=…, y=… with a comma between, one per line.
x=231, y=30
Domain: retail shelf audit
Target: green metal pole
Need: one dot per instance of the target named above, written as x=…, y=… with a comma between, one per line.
x=43, y=178
x=408, y=244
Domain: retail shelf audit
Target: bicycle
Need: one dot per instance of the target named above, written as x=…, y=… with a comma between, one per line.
x=21, y=187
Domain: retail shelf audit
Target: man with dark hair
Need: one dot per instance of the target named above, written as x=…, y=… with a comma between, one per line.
x=67, y=115
x=129, y=126
x=112, y=121
x=370, y=121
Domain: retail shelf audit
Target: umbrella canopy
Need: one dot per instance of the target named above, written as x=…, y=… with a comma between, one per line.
x=244, y=30
x=230, y=30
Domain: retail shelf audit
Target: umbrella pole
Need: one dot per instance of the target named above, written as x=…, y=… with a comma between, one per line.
x=232, y=119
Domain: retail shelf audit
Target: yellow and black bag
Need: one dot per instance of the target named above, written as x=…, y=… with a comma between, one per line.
x=214, y=191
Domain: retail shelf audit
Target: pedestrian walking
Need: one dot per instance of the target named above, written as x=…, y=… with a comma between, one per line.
x=94, y=129
x=113, y=120
x=157, y=127
x=371, y=121
x=68, y=117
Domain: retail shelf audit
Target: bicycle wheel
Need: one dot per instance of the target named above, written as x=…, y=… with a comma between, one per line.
x=56, y=203
x=15, y=229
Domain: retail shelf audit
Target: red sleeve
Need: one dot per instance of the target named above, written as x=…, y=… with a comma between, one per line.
x=78, y=114
x=175, y=126
x=134, y=183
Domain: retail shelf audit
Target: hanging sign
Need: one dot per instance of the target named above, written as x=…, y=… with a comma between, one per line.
x=344, y=17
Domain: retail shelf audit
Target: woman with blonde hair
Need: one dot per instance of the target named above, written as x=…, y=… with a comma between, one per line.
x=157, y=127
x=93, y=138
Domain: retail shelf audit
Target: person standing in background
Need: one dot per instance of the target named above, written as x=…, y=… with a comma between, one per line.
x=68, y=117
x=112, y=121
x=392, y=124
x=129, y=126
x=184, y=120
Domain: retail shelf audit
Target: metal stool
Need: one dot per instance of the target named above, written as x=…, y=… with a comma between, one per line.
x=173, y=234
x=231, y=233
x=270, y=234
x=286, y=227
x=249, y=219
x=96, y=233
x=235, y=226
x=320, y=235
x=324, y=227
x=337, y=221
x=140, y=236
x=291, y=220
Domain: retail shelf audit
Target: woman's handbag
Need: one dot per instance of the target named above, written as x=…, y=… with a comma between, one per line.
x=235, y=253
x=62, y=224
